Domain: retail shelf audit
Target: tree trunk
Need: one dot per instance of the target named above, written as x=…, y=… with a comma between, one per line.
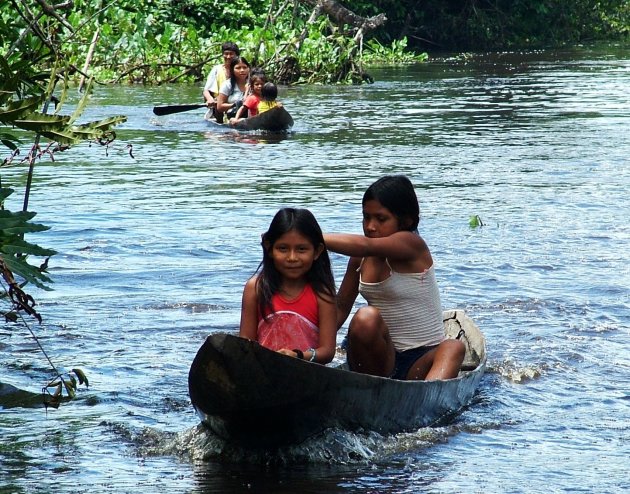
x=342, y=15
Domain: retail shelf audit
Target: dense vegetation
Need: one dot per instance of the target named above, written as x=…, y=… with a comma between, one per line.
x=458, y=25
x=33, y=88
x=177, y=40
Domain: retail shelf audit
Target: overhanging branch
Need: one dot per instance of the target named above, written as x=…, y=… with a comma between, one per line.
x=341, y=15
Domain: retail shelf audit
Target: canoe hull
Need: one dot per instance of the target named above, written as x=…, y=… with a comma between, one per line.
x=246, y=393
x=274, y=120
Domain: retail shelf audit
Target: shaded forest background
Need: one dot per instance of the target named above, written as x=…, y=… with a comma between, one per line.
x=462, y=25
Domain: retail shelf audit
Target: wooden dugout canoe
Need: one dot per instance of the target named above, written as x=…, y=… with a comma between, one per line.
x=275, y=120
x=260, y=398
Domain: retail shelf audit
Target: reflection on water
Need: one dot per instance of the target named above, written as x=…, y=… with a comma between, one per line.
x=154, y=250
x=250, y=137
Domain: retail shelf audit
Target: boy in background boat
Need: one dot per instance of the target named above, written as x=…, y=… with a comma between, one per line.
x=217, y=77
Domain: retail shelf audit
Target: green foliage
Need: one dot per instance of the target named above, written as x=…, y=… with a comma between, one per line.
x=25, y=112
x=154, y=41
x=69, y=382
x=25, y=90
x=208, y=14
x=35, y=61
x=396, y=53
x=500, y=24
x=14, y=249
x=475, y=221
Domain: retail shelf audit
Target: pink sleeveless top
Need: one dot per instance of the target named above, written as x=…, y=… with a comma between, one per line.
x=293, y=324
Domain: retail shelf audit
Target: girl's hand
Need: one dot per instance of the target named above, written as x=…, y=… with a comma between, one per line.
x=287, y=352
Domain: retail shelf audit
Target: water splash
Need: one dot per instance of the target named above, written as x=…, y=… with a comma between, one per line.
x=333, y=446
x=518, y=373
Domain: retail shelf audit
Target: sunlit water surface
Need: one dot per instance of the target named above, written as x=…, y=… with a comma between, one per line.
x=157, y=234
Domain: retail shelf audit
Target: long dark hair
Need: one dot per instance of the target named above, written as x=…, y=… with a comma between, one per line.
x=233, y=63
x=320, y=276
x=396, y=193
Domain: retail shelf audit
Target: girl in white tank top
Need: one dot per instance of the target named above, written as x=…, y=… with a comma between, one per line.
x=410, y=306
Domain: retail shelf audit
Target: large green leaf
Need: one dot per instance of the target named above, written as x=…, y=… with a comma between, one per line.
x=31, y=274
x=87, y=92
x=19, y=108
x=108, y=123
x=13, y=226
x=4, y=193
x=62, y=136
x=9, y=140
x=39, y=122
x=94, y=130
x=19, y=246
x=57, y=127
x=20, y=215
x=20, y=229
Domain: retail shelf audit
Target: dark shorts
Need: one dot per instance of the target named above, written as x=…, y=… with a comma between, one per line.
x=404, y=360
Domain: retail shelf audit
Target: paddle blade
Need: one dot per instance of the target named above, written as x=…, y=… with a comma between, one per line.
x=167, y=110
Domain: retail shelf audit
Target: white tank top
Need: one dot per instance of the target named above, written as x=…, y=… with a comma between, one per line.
x=410, y=306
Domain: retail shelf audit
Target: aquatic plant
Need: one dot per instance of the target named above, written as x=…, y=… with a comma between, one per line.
x=32, y=68
x=475, y=221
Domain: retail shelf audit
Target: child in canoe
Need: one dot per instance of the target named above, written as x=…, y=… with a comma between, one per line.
x=249, y=108
x=233, y=90
x=218, y=75
x=289, y=304
x=269, y=97
x=400, y=332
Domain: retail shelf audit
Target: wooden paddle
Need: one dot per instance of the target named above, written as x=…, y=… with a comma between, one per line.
x=167, y=110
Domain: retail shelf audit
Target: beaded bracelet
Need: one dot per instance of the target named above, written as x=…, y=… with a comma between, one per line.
x=314, y=353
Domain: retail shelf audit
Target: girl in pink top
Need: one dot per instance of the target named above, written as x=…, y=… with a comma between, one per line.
x=256, y=83
x=289, y=304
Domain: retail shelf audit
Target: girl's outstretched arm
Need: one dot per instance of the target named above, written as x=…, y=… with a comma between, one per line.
x=249, y=311
x=402, y=245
